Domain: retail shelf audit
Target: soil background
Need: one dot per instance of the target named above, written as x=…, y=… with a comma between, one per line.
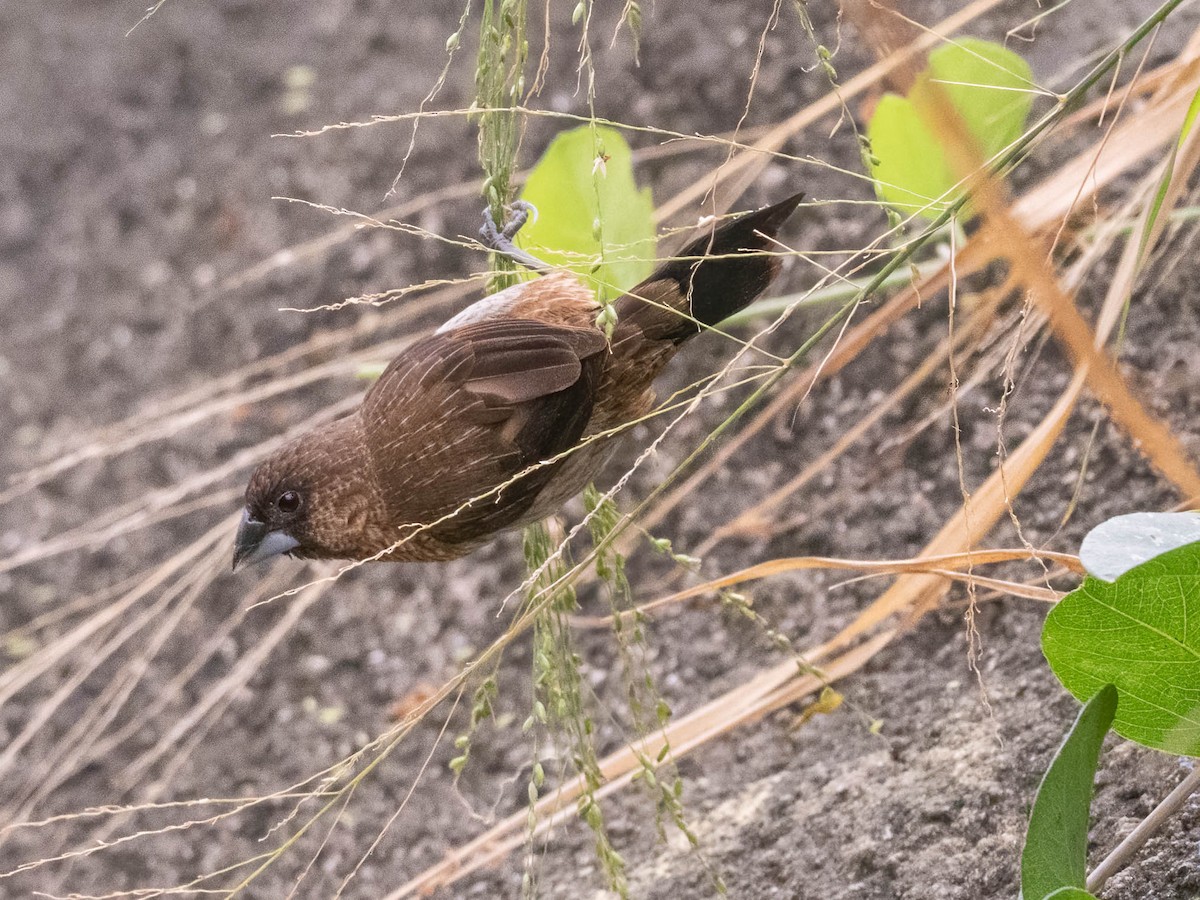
x=138, y=178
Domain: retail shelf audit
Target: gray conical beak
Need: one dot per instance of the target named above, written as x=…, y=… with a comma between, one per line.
x=254, y=542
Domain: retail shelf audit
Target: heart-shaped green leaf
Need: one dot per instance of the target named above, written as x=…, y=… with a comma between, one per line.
x=1141, y=633
x=989, y=86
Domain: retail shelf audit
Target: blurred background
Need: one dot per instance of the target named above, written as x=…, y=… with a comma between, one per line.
x=146, y=362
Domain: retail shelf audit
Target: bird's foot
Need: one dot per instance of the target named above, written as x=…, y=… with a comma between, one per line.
x=500, y=239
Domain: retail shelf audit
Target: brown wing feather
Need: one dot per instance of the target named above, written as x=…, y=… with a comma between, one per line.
x=463, y=412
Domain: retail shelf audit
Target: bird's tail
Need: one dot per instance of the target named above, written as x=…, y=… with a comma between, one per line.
x=710, y=279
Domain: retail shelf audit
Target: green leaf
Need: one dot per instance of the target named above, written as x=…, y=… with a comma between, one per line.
x=1114, y=547
x=1141, y=633
x=592, y=218
x=1055, y=854
x=989, y=85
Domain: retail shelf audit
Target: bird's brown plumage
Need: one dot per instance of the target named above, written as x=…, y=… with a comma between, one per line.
x=499, y=417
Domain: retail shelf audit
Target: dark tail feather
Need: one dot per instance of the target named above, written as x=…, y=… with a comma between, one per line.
x=709, y=290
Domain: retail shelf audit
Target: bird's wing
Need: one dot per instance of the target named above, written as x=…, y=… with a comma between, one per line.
x=463, y=412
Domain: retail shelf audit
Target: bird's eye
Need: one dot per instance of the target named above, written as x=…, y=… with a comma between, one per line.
x=288, y=502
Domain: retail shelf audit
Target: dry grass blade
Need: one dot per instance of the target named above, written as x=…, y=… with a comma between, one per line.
x=1155, y=81
x=1134, y=139
x=947, y=566
x=1008, y=236
x=1002, y=587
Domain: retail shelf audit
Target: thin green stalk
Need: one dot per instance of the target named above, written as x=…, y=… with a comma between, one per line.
x=776, y=306
x=499, y=86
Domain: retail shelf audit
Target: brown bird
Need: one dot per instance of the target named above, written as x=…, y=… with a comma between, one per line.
x=467, y=431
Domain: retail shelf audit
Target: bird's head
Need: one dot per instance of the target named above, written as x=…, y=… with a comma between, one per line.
x=310, y=499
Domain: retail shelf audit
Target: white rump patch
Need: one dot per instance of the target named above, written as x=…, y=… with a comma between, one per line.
x=493, y=306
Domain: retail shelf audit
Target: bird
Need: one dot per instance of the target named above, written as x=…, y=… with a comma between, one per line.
x=504, y=413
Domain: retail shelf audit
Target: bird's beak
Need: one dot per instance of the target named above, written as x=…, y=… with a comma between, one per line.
x=255, y=542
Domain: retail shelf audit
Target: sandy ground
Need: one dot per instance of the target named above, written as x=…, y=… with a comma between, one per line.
x=139, y=177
